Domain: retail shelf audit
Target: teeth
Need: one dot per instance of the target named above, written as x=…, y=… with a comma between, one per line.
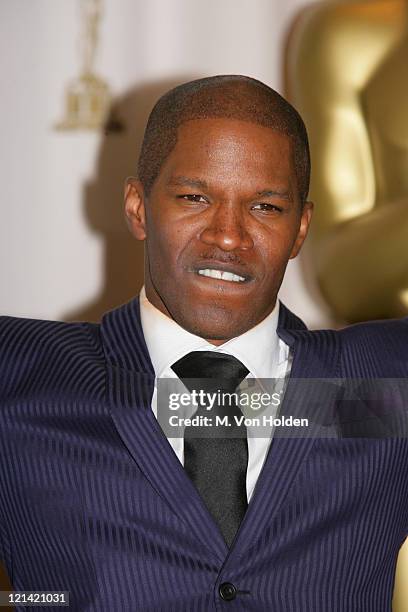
x=228, y=276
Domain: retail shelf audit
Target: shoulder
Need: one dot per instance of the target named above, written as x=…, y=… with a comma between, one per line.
x=385, y=331
x=377, y=346
x=32, y=349
x=18, y=334
x=370, y=349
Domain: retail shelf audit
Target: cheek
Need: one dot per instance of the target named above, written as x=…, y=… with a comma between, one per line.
x=159, y=233
x=166, y=243
x=275, y=249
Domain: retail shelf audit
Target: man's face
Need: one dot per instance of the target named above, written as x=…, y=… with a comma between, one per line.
x=221, y=222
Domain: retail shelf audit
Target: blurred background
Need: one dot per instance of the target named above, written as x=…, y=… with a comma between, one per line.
x=79, y=79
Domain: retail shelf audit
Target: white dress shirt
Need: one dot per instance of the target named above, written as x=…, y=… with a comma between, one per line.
x=260, y=349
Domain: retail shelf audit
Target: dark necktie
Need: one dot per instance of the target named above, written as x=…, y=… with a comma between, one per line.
x=217, y=461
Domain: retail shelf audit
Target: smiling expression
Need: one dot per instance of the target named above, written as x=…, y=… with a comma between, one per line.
x=221, y=222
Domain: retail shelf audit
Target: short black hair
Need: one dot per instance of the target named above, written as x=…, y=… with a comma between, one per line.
x=224, y=96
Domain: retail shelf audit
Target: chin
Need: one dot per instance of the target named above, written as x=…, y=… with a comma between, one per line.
x=213, y=325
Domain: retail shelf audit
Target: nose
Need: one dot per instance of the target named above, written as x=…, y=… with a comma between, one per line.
x=226, y=228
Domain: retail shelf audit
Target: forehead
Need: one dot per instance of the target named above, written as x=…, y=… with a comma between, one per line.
x=227, y=149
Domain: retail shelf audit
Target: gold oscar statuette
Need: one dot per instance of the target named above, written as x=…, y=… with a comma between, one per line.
x=347, y=73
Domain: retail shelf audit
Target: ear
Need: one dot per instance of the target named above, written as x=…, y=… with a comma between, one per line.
x=303, y=228
x=135, y=208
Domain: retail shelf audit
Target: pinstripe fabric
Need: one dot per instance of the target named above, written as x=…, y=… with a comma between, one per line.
x=93, y=499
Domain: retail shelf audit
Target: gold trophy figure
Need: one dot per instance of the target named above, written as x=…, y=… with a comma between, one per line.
x=347, y=74
x=87, y=97
x=347, y=70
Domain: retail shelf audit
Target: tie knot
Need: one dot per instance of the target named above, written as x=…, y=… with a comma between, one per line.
x=224, y=370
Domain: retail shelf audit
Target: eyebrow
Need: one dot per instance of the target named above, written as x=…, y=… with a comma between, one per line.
x=270, y=193
x=184, y=181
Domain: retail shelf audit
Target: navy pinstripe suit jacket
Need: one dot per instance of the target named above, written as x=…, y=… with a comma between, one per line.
x=94, y=501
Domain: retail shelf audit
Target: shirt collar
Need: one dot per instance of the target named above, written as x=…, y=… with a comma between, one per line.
x=258, y=349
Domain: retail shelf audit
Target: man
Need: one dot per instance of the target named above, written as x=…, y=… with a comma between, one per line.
x=97, y=501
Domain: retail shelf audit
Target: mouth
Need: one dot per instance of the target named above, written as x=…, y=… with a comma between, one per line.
x=222, y=272
x=221, y=275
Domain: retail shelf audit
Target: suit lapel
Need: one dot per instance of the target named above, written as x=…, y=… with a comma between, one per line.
x=315, y=355
x=130, y=385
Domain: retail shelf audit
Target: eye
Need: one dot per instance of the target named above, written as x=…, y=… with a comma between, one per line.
x=266, y=207
x=193, y=197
